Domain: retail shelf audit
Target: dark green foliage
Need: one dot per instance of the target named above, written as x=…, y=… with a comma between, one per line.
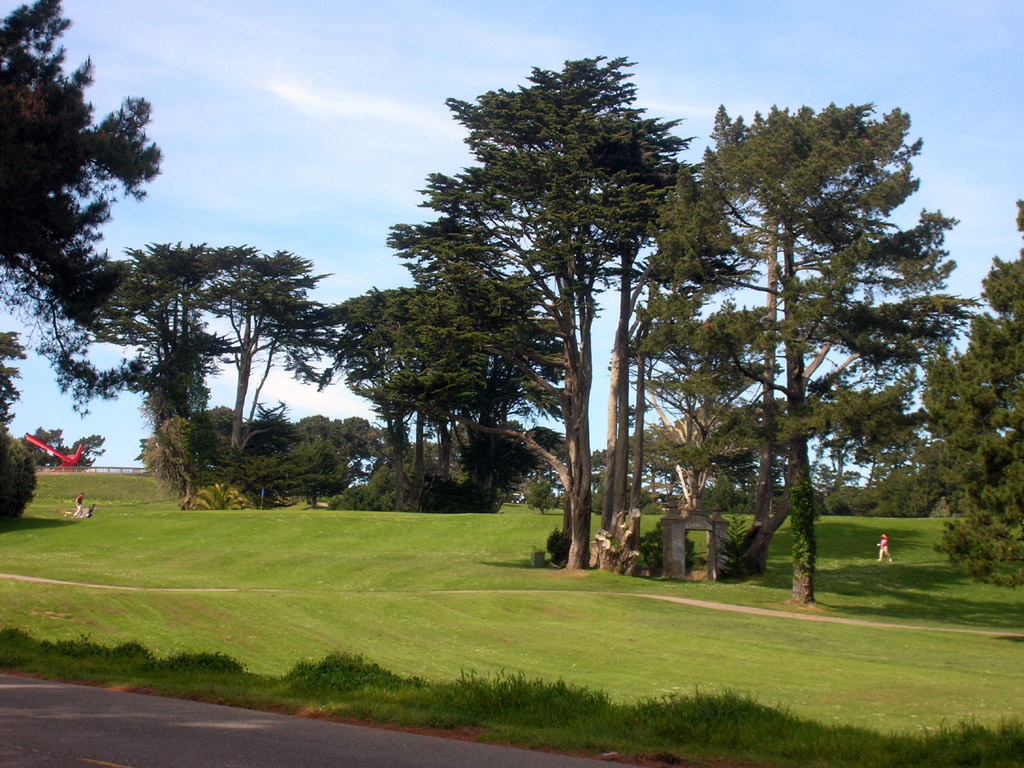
x=17, y=476
x=916, y=489
x=378, y=494
x=261, y=479
x=558, y=546
x=265, y=300
x=975, y=401
x=539, y=496
x=712, y=719
x=510, y=697
x=341, y=673
x=457, y=496
x=802, y=514
x=567, y=182
x=733, y=547
x=84, y=647
x=179, y=454
x=359, y=444
x=59, y=176
x=160, y=311
x=202, y=661
x=80, y=647
x=651, y=547
x=799, y=205
x=10, y=349
x=316, y=471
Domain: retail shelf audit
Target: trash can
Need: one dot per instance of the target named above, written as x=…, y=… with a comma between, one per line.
x=537, y=559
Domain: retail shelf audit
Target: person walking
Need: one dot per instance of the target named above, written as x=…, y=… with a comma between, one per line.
x=78, y=504
x=883, y=548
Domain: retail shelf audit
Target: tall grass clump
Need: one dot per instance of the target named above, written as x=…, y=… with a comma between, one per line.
x=341, y=673
x=512, y=699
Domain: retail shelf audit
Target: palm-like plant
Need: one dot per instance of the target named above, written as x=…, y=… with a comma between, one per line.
x=219, y=496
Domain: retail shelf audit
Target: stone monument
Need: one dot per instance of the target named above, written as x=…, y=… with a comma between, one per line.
x=674, y=525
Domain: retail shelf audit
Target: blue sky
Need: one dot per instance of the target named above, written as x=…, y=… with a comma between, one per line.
x=310, y=126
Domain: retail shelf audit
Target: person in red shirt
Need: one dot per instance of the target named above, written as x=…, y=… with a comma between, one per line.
x=78, y=504
x=883, y=548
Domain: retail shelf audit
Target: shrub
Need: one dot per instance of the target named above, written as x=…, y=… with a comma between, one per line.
x=199, y=662
x=376, y=494
x=219, y=496
x=17, y=476
x=513, y=699
x=458, y=496
x=342, y=672
x=540, y=497
x=558, y=546
x=733, y=547
x=651, y=548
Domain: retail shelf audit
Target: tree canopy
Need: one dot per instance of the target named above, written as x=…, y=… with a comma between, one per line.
x=10, y=349
x=795, y=209
x=566, y=183
x=975, y=402
x=60, y=173
x=161, y=309
x=265, y=300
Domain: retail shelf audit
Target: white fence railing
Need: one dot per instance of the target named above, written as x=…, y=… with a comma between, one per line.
x=92, y=470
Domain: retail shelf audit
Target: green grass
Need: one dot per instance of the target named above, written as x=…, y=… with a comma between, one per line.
x=56, y=491
x=436, y=597
x=513, y=709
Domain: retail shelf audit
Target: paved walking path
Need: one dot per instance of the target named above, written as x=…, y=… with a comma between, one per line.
x=667, y=598
x=55, y=725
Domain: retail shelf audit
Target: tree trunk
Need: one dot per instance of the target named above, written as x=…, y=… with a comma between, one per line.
x=798, y=469
x=444, y=449
x=575, y=400
x=613, y=498
x=801, y=504
x=418, y=464
x=617, y=547
x=397, y=437
x=638, y=432
x=767, y=519
x=243, y=363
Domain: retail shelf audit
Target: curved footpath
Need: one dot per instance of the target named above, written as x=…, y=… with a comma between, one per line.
x=666, y=598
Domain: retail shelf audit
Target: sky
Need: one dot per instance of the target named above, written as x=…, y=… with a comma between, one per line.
x=311, y=125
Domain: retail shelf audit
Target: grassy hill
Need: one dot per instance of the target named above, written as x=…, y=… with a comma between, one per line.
x=57, y=490
x=439, y=596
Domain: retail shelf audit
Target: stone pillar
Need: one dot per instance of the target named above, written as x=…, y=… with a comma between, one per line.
x=673, y=541
x=716, y=538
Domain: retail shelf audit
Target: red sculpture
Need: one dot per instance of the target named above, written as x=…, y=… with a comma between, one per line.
x=65, y=460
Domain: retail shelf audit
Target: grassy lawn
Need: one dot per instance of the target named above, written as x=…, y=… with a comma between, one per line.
x=438, y=596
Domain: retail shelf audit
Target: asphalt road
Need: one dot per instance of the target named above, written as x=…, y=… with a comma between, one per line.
x=54, y=725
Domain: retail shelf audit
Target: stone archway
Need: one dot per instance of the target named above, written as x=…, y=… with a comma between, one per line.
x=674, y=525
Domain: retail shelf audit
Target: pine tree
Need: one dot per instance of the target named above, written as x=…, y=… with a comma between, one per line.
x=975, y=402
x=794, y=209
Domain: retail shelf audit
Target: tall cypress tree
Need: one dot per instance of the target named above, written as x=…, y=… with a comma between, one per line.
x=975, y=403
x=566, y=185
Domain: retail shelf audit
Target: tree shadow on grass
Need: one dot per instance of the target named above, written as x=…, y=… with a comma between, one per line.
x=519, y=565
x=913, y=593
x=919, y=586
x=33, y=523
